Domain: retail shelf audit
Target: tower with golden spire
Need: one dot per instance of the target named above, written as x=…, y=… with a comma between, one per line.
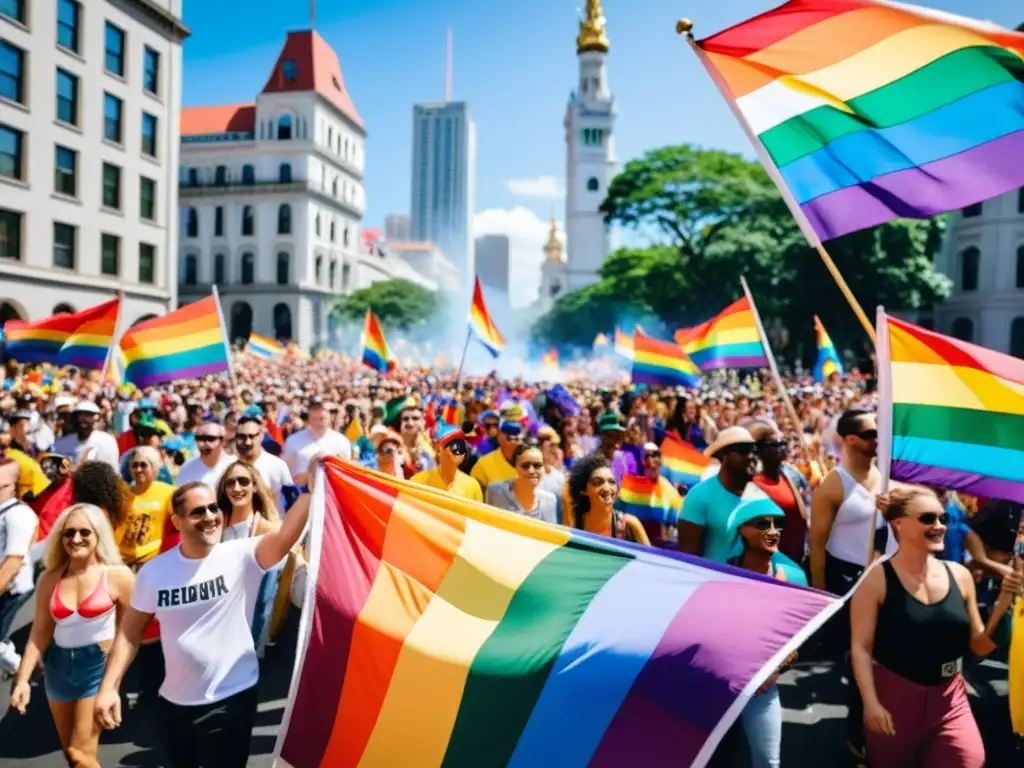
x=590, y=153
x=554, y=278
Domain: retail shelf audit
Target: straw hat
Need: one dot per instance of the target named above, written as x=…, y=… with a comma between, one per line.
x=727, y=438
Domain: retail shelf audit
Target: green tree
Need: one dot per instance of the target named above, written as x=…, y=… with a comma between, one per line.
x=396, y=303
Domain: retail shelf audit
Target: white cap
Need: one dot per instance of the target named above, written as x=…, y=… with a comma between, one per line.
x=87, y=406
x=64, y=401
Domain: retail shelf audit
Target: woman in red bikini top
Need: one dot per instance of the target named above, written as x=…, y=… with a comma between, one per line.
x=77, y=602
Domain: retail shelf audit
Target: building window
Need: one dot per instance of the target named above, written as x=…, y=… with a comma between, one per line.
x=112, y=107
x=12, y=153
x=219, y=273
x=147, y=263
x=148, y=134
x=13, y=9
x=218, y=221
x=963, y=329
x=290, y=70
x=334, y=187
x=283, y=269
x=284, y=220
x=10, y=234
x=318, y=270
x=346, y=274
x=113, y=55
x=593, y=185
x=332, y=232
x=63, y=245
x=332, y=275
x=971, y=211
x=1017, y=337
x=1020, y=267
x=248, y=268
x=68, y=14
x=284, y=127
x=316, y=225
x=220, y=176
x=67, y=97
x=110, y=254
x=193, y=177
x=147, y=199
x=65, y=166
x=111, y=186
x=191, y=223
x=345, y=237
x=12, y=72
x=248, y=175
x=151, y=70
x=284, y=173
x=190, y=270
x=969, y=263
x=248, y=220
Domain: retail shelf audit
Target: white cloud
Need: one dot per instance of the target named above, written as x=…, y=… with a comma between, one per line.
x=527, y=234
x=542, y=186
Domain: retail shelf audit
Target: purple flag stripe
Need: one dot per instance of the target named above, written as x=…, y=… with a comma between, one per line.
x=734, y=361
x=968, y=482
x=194, y=372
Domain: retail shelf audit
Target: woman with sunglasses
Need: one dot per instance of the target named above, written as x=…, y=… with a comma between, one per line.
x=78, y=600
x=523, y=495
x=452, y=451
x=784, y=485
x=913, y=620
x=139, y=538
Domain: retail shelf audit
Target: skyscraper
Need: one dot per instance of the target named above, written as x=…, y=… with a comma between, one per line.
x=492, y=262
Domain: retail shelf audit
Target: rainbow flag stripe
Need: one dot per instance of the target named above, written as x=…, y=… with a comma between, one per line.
x=662, y=363
x=81, y=339
x=728, y=340
x=376, y=352
x=872, y=110
x=828, y=359
x=481, y=324
x=681, y=463
x=510, y=623
x=264, y=347
x=645, y=500
x=953, y=411
x=188, y=343
x=623, y=344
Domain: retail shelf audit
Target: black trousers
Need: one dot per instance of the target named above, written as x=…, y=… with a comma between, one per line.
x=208, y=736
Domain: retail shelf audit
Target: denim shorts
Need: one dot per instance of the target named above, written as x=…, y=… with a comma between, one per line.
x=73, y=674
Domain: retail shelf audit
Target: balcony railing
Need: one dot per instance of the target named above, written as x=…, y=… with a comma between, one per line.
x=209, y=188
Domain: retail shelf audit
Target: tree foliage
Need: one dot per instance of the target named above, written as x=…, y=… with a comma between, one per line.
x=396, y=303
x=711, y=216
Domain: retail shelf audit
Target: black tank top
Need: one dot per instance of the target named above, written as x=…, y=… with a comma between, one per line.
x=922, y=643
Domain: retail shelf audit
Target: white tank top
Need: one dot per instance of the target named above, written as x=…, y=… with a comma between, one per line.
x=242, y=530
x=851, y=528
x=74, y=630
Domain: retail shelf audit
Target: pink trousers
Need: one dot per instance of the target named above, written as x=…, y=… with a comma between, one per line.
x=934, y=725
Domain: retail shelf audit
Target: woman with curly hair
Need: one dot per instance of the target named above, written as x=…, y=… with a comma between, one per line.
x=591, y=503
x=96, y=482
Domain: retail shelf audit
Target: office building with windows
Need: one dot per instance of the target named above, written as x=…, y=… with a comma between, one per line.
x=492, y=264
x=89, y=101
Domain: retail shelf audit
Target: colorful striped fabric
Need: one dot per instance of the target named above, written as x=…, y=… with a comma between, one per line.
x=82, y=339
x=952, y=413
x=481, y=324
x=376, y=352
x=264, y=347
x=188, y=343
x=828, y=359
x=600, y=341
x=662, y=363
x=442, y=632
x=647, y=500
x=681, y=463
x=872, y=111
x=728, y=340
x=623, y=344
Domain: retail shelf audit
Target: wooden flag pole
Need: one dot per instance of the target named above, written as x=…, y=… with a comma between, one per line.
x=227, y=342
x=858, y=310
x=462, y=362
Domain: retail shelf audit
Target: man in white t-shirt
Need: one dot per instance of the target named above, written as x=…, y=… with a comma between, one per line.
x=212, y=460
x=201, y=592
x=316, y=439
x=17, y=535
x=274, y=471
x=85, y=435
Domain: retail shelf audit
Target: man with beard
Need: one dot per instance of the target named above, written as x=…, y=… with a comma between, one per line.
x=84, y=435
x=212, y=460
x=273, y=470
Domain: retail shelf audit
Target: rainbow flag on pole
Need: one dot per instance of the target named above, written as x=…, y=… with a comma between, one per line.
x=441, y=632
x=187, y=343
x=481, y=324
x=264, y=347
x=662, y=363
x=376, y=352
x=623, y=344
x=864, y=111
x=728, y=340
x=681, y=463
x=950, y=414
x=82, y=339
x=828, y=359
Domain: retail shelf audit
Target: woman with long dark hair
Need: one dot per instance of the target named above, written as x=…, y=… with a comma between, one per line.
x=592, y=494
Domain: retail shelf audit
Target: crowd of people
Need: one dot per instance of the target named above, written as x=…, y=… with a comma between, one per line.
x=144, y=524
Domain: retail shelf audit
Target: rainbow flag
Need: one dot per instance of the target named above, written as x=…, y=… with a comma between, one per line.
x=865, y=111
x=623, y=344
x=187, y=343
x=645, y=499
x=376, y=352
x=264, y=347
x=728, y=340
x=509, y=624
x=481, y=324
x=600, y=341
x=354, y=431
x=82, y=339
x=662, y=363
x=681, y=463
x=951, y=414
x=550, y=364
x=828, y=359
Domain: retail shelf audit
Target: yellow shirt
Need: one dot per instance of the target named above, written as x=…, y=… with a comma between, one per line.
x=139, y=536
x=492, y=468
x=463, y=485
x=30, y=475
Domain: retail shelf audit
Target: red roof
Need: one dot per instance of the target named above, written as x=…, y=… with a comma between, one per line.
x=199, y=121
x=316, y=69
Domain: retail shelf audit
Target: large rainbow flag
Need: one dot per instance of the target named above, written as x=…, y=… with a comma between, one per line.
x=264, y=347
x=441, y=632
x=82, y=339
x=682, y=463
x=728, y=340
x=828, y=358
x=950, y=414
x=662, y=363
x=864, y=111
x=187, y=343
x=376, y=352
x=481, y=324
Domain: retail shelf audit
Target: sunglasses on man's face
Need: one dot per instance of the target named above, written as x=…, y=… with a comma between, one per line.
x=200, y=512
x=247, y=437
x=867, y=434
x=457, y=447
x=651, y=455
x=207, y=438
x=778, y=445
x=388, y=450
x=411, y=419
x=70, y=533
x=745, y=449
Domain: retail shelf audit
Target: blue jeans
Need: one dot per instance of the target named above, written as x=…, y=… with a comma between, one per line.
x=762, y=721
x=73, y=674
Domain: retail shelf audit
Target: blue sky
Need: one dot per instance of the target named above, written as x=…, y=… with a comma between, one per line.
x=515, y=62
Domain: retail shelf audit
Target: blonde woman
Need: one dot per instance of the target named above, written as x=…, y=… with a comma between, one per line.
x=79, y=599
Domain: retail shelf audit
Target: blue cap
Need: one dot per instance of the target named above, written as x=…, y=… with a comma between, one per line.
x=445, y=433
x=511, y=427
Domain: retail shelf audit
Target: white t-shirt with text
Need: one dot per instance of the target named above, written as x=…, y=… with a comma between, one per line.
x=300, y=448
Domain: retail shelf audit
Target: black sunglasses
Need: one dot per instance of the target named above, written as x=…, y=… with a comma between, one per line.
x=198, y=512
x=779, y=445
x=207, y=438
x=867, y=434
x=69, y=533
x=742, y=448
x=139, y=465
x=457, y=447
x=930, y=518
x=765, y=523
x=653, y=455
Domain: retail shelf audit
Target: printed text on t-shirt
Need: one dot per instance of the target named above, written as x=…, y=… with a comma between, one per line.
x=210, y=589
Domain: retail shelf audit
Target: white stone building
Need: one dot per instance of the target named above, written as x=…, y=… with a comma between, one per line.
x=272, y=199
x=89, y=101
x=429, y=262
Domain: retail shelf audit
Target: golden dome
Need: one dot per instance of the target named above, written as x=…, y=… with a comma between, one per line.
x=553, y=247
x=592, y=35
